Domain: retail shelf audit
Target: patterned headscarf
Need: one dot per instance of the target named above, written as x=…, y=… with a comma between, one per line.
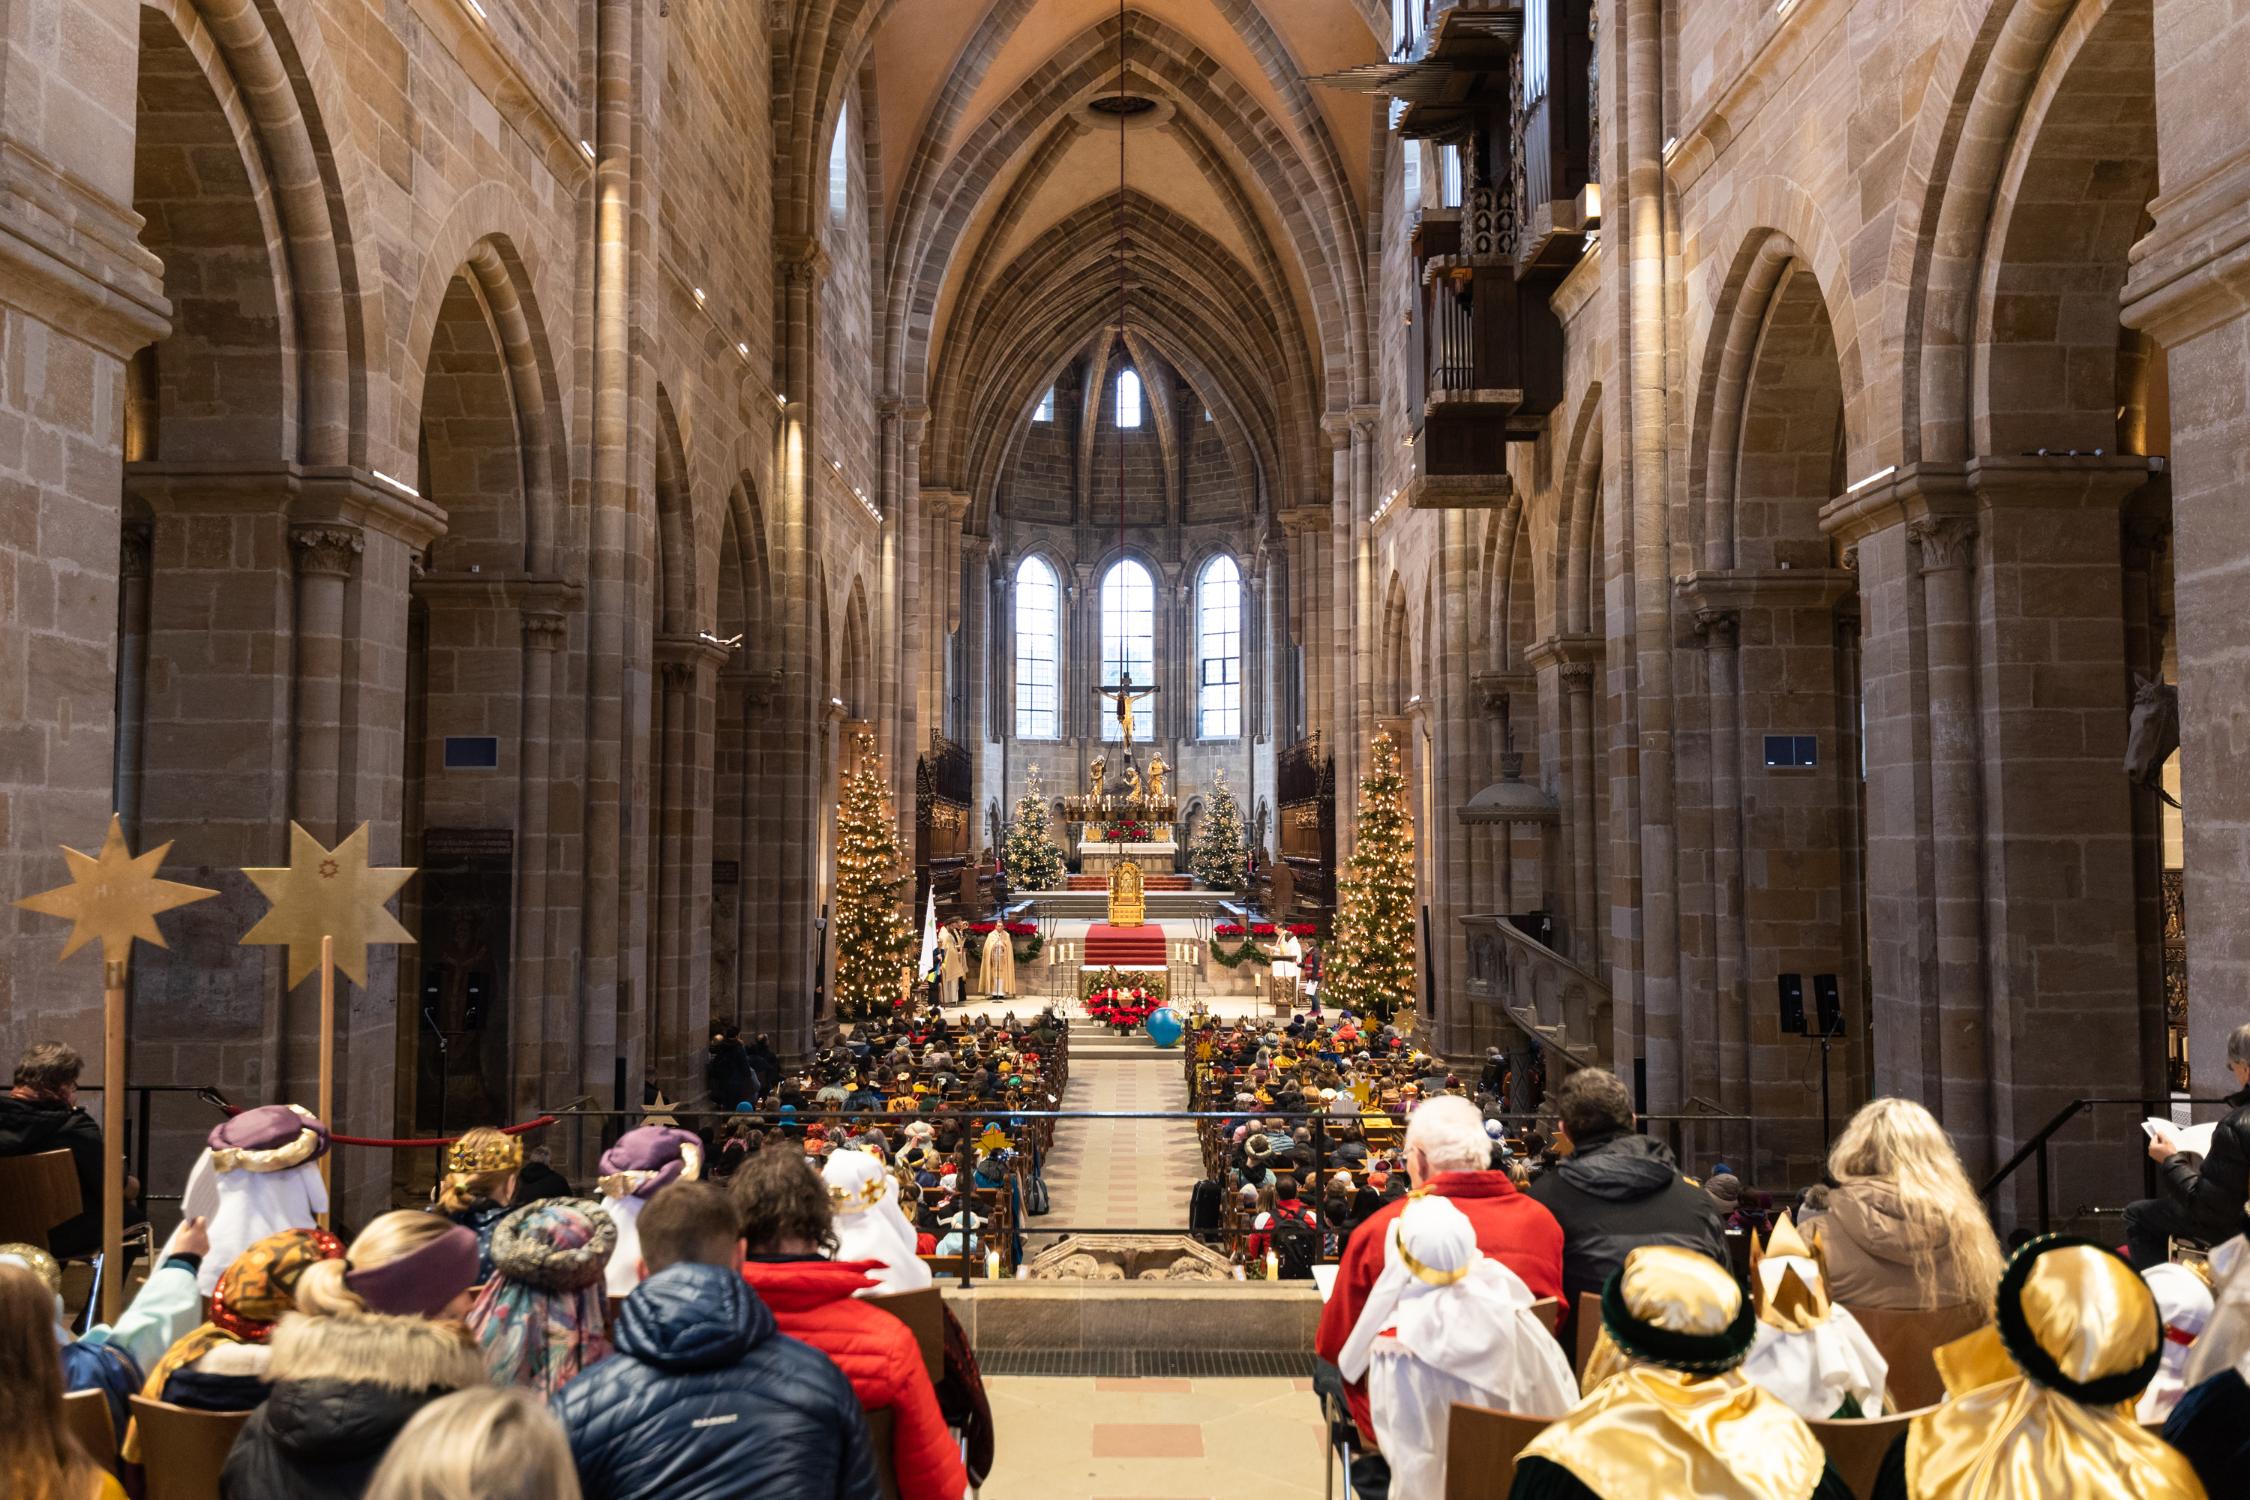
x=253, y=1294
x=544, y=1316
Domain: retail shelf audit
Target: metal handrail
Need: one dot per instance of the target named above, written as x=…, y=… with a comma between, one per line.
x=2035, y=1149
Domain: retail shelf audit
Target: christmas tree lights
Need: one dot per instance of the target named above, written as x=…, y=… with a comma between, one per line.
x=1219, y=855
x=1371, y=967
x=874, y=940
x=1034, y=863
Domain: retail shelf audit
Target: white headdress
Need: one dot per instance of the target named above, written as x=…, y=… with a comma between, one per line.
x=1456, y=1309
x=1809, y=1352
x=2185, y=1304
x=246, y=1194
x=869, y=1222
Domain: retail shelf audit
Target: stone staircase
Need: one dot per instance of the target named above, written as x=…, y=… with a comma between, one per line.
x=1158, y=905
x=1091, y=1040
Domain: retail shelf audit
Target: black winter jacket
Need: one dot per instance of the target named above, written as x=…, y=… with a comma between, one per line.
x=1616, y=1193
x=706, y=1400
x=30, y=1126
x=2213, y=1188
x=316, y=1440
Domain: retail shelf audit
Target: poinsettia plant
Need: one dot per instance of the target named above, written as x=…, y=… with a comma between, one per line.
x=1122, y=1000
x=1023, y=936
x=1131, y=831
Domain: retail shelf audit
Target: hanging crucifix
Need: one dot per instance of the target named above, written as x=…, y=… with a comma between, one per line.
x=1126, y=695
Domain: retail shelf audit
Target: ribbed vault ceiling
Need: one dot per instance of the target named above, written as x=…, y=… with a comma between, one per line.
x=1245, y=222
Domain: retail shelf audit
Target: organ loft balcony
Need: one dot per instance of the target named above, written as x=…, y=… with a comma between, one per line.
x=1503, y=99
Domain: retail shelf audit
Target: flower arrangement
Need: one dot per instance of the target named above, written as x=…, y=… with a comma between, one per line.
x=1129, y=831
x=1123, y=1001
x=1122, y=1009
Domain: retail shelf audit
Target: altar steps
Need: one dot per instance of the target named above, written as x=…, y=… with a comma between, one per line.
x=1148, y=883
x=1157, y=905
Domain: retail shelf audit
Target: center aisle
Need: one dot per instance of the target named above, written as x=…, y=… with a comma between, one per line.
x=1135, y=1174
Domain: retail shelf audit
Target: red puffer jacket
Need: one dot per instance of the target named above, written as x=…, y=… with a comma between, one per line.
x=813, y=1300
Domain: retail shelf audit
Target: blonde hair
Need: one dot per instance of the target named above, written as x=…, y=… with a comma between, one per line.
x=321, y=1292
x=462, y=1190
x=1898, y=1142
x=397, y=1354
x=479, y=1444
x=39, y=1459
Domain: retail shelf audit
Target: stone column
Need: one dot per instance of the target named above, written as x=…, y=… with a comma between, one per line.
x=1720, y=631
x=1947, y=551
x=975, y=593
x=2190, y=290
x=79, y=296
x=132, y=672
x=327, y=556
x=2062, y=970
x=541, y=1033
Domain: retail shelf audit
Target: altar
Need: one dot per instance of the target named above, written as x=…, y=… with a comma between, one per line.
x=1101, y=856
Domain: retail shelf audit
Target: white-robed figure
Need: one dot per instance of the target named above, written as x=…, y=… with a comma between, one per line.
x=953, y=966
x=2184, y=1304
x=643, y=1163
x=258, y=1175
x=1447, y=1323
x=996, y=975
x=1809, y=1352
x=869, y=1223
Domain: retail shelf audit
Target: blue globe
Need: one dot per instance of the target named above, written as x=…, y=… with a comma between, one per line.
x=1164, y=1027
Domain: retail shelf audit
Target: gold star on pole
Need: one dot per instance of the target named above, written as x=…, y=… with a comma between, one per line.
x=328, y=893
x=114, y=896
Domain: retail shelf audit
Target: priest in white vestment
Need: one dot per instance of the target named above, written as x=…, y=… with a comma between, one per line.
x=997, y=974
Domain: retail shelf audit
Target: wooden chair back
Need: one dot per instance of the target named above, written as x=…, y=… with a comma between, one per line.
x=879, y=1426
x=1481, y=1446
x=86, y=1414
x=1589, y=1329
x=182, y=1451
x=1855, y=1449
x=37, y=1193
x=1550, y=1311
x=923, y=1313
x=1909, y=1341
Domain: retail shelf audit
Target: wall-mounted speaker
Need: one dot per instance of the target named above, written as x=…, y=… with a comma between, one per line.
x=1828, y=1005
x=1792, y=987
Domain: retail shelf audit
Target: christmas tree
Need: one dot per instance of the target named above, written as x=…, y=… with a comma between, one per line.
x=1371, y=965
x=1219, y=853
x=874, y=941
x=1034, y=863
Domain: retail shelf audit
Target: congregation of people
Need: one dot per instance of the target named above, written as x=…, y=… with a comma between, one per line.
x=674, y=1333
x=711, y=1320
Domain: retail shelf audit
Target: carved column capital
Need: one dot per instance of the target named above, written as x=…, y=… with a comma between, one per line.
x=1947, y=543
x=1718, y=627
x=328, y=551
x=545, y=630
x=1577, y=676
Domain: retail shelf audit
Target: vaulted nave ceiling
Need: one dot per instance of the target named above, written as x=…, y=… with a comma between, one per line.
x=1245, y=225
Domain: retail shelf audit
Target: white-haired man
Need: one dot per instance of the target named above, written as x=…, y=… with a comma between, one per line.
x=1448, y=1155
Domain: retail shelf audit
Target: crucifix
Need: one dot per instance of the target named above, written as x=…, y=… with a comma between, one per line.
x=1126, y=695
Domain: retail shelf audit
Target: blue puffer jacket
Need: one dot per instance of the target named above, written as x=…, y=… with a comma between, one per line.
x=706, y=1400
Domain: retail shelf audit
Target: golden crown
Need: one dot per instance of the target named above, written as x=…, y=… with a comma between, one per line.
x=503, y=1155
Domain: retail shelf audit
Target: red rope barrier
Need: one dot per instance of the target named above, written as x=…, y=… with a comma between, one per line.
x=431, y=1142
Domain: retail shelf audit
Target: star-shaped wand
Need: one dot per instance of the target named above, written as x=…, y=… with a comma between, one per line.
x=113, y=896
x=327, y=908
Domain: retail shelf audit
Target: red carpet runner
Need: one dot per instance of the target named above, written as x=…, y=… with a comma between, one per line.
x=1137, y=947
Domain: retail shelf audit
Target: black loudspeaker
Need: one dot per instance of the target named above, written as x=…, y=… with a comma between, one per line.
x=1828, y=1005
x=1792, y=987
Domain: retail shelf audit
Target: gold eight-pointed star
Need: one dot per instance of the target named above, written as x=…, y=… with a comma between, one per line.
x=328, y=893
x=114, y=896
